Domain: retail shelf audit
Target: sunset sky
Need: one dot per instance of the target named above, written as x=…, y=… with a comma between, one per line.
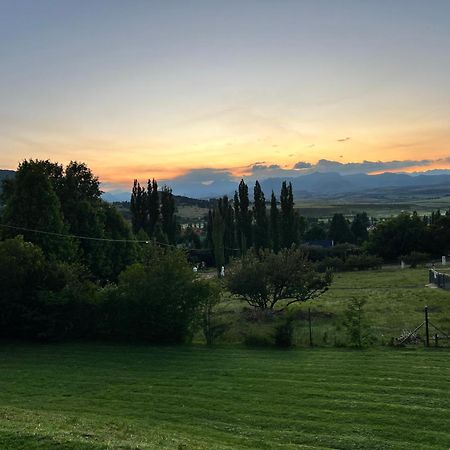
x=138, y=89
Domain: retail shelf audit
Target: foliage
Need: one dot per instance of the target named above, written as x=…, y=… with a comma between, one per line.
x=288, y=231
x=284, y=333
x=157, y=300
x=340, y=230
x=363, y=262
x=212, y=327
x=332, y=263
x=398, y=236
x=274, y=224
x=415, y=258
x=356, y=323
x=40, y=298
x=287, y=277
x=261, y=226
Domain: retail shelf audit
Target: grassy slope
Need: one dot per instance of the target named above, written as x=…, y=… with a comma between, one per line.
x=100, y=396
x=395, y=301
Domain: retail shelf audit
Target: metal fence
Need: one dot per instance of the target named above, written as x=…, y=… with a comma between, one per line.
x=441, y=280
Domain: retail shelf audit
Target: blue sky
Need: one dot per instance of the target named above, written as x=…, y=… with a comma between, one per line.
x=149, y=88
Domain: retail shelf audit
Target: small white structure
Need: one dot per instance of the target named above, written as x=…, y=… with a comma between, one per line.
x=444, y=260
x=402, y=264
x=222, y=271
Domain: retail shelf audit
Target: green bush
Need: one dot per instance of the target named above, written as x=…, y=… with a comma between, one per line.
x=158, y=300
x=363, y=262
x=415, y=259
x=284, y=333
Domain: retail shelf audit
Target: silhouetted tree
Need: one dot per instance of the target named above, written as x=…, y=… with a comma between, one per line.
x=168, y=214
x=288, y=229
x=260, y=228
x=340, y=230
x=274, y=224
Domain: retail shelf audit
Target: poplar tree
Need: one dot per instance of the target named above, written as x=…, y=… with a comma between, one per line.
x=168, y=214
x=153, y=209
x=245, y=217
x=138, y=207
x=260, y=214
x=227, y=214
x=288, y=231
x=218, y=230
x=274, y=224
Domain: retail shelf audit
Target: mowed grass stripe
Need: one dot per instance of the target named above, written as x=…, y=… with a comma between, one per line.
x=161, y=397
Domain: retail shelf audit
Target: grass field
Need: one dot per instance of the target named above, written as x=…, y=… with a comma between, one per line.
x=92, y=396
x=395, y=301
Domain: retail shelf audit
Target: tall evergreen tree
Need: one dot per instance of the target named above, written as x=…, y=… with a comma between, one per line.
x=237, y=220
x=260, y=227
x=227, y=214
x=274, y=224
x=218, y=231
x=138, y=207
x=31, y=202
x=168, y=222
x=288, y=228
x=245, y=217
x=152, y=207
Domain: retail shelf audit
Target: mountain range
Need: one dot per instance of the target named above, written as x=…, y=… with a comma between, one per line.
x=317, y=184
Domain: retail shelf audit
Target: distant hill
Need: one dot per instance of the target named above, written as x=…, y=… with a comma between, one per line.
x=5, y=174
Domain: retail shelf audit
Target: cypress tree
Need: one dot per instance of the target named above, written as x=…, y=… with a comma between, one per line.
x=260, y=214
x=218, y=230
x=152, y=207
x=168, y=214
x=227, y=213
x=274, y=224
x=288, y=231
x=138, y=207
x=245, y=217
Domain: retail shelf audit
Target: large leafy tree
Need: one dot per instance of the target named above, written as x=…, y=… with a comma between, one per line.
x=276, y=280
x=398, y=236
x=32, y=203
x=359, y=227
x=157, y=300
x=340, y=229
x=58, y=202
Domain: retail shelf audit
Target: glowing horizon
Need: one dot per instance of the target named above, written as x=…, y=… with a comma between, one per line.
x=139, y=90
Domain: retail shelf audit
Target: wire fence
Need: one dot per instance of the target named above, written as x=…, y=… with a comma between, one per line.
x=441, y=280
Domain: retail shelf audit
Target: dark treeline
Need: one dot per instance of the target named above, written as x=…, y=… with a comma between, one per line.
x=153, y=212
x=235, y=227
x=72, y=267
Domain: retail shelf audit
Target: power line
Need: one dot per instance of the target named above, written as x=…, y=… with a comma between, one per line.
x=75, y=236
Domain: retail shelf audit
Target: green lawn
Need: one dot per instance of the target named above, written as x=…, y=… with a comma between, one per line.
x=93, y=396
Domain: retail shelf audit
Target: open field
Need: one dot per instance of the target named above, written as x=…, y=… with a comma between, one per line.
x=92, y=396
x=395, y=301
